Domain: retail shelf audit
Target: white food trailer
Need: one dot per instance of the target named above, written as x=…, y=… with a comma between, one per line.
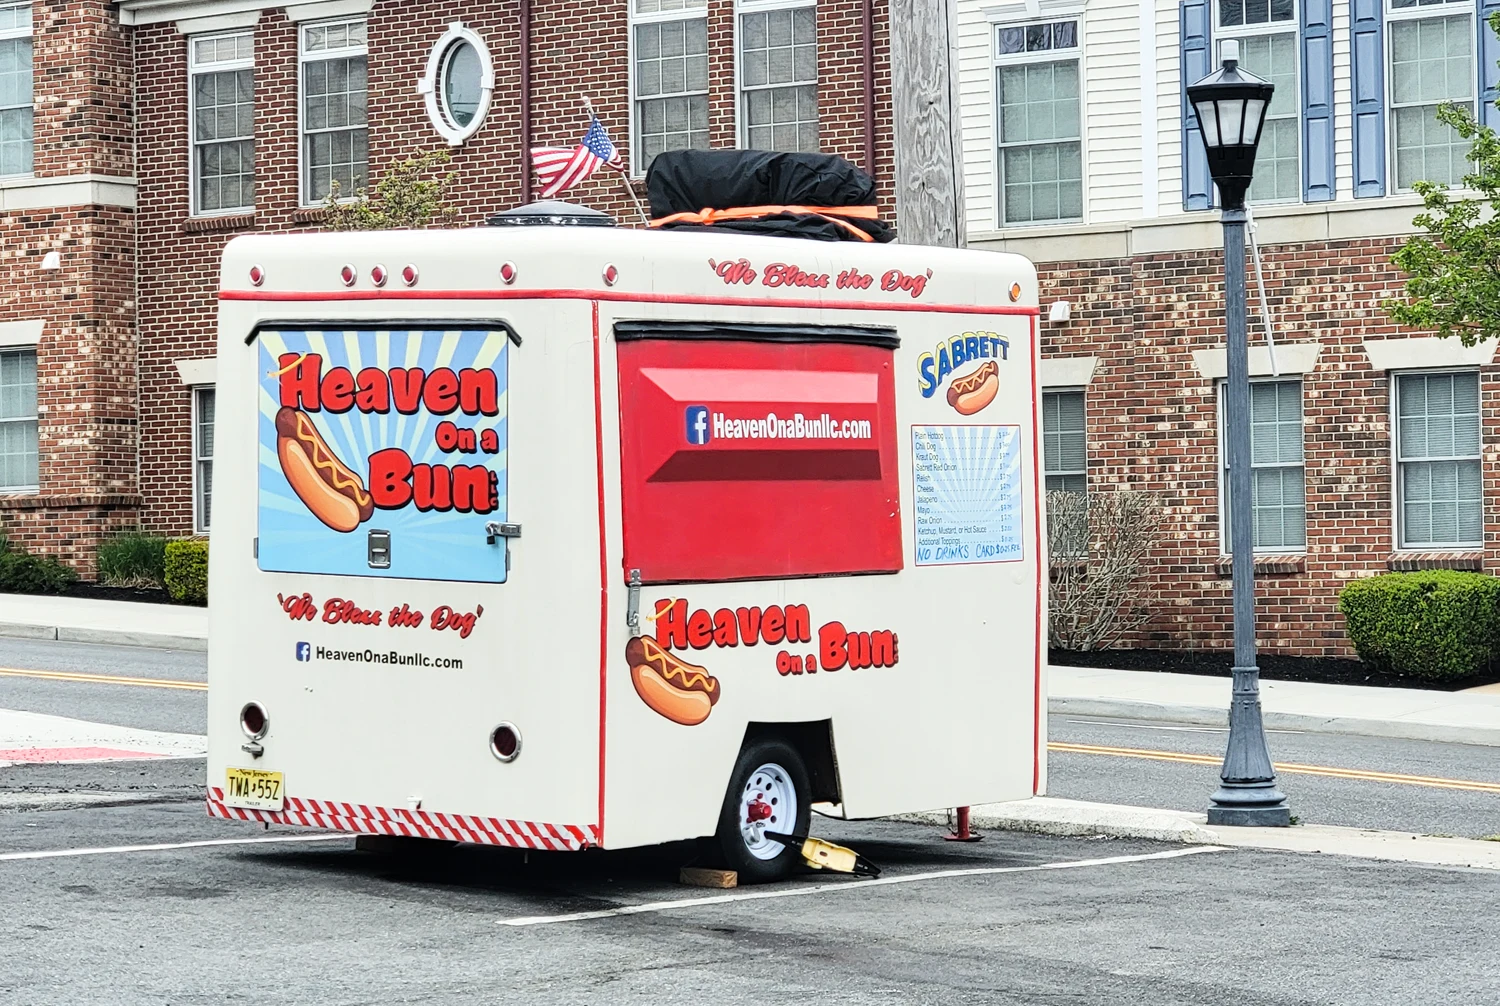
x=763, y=538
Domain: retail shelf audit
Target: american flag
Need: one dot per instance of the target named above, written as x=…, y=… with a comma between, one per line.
x=559, y=168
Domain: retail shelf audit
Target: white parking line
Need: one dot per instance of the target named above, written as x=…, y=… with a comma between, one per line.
x=853, y=885
x=167, y=846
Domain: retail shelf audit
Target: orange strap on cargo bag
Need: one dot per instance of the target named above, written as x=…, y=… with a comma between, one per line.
x=833, y=214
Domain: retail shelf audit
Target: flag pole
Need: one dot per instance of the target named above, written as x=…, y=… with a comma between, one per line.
x=588, y=106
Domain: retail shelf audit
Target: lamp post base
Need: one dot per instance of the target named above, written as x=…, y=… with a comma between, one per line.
x=1256, y=806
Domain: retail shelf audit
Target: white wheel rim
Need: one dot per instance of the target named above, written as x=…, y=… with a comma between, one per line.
x=768, y=807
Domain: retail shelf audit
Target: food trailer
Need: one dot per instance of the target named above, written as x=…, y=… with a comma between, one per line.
x=560, y=535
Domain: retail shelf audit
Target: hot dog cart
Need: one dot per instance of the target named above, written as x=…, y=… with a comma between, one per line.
x=561, y=536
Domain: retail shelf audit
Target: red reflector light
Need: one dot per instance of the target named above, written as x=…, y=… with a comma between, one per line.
x=505, y=742
x=257, y=275
x=253, y=720
x=348, y=275
x=610, y=275
x=508, y=272
x=378, y=275
x=409, y=275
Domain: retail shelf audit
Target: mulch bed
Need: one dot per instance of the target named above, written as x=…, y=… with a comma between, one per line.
x=97, y=592
x=1219, y=664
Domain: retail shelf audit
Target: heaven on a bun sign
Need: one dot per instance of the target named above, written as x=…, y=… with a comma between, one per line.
x=383, y=452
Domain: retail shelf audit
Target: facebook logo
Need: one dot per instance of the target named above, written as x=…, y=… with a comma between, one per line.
x=304, y=652
x=697, y=424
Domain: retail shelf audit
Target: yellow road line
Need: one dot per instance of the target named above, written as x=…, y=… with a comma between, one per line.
x=1290, y=768
x=105, y=679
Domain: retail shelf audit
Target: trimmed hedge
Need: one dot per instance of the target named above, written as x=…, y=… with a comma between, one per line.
x=1437, y=625
x=133, y=559
x=186, y=571
x=23, y=573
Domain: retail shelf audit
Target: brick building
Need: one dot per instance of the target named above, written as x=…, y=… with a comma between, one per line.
x=138, y=136
x=1374, y=447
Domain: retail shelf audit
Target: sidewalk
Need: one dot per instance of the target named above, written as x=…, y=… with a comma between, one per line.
x=1050, y=816
x=1412, y=713
x=123, y=623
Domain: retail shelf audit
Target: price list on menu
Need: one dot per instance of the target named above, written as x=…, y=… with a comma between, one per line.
x=966, y=491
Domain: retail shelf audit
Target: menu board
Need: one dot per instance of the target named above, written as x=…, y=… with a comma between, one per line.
x=966, y=490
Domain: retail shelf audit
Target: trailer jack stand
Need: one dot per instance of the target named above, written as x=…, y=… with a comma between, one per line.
x=821, y=855
x=962, y=832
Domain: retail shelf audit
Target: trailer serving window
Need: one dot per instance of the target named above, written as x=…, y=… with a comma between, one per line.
x=757, y=452
x=383, y=450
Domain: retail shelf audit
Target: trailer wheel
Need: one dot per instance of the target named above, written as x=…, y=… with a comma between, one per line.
x=769, y=795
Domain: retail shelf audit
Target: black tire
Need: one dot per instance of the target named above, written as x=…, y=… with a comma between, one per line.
x=736, y=854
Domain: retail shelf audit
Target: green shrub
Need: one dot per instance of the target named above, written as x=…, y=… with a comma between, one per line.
x=22, y=573
x=1438, y=625
x=133, y=559
x=187, y=570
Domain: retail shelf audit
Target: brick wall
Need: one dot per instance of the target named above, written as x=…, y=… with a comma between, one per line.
x=575, y=51
x=1153, y=424
x=86, y=393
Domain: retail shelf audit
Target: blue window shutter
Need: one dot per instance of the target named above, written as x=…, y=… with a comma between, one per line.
x=1317, y=100
x=1489, y=65
x=1368, y=57
x=1197, y=187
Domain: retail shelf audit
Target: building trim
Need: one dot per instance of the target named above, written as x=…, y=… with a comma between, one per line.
x=20, y=333
x=26, y=193
x=1292, y=360
x=329, y=8
x=139, y=12
x=1068, y=371
x=1414, y=352
x=196, y=373
x=1291, y=223
x=221, y=22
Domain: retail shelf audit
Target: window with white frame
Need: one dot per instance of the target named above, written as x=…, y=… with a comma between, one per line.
x=1040, y=151
x=1440, y=500
x=221, y=108
x=15, y=89
x=203, y=456
x=1431, y=45
x=334, y=140
x=779, y=77
x=1267, y=33
x=1064, y=441
x=1278, y=504
x=18, y=436
x=670, y=76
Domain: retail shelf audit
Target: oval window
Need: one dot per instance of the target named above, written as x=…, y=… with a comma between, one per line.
x=462, y=83
x=458, y=84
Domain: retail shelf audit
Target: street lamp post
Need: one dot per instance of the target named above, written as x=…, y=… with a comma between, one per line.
x=1231, y=106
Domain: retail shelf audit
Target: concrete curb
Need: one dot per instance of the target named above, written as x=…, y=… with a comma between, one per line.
x=112, y=637
x=1047, y=816
x=1205, y=716
x=1050, y=816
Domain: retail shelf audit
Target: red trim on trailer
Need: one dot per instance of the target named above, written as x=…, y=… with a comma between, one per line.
x=603, y=565
x=1041, y=583
x=301, y=296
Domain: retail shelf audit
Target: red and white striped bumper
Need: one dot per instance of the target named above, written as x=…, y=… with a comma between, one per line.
x=362, y=820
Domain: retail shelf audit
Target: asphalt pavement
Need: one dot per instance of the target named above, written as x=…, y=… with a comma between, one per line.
x=153, y=903
x=1436, y=806
x=1014, y=919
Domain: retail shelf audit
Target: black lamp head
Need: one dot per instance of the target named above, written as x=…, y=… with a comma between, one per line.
x=1231, y=105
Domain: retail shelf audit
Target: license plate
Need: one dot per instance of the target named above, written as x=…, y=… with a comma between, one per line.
x=253, y=789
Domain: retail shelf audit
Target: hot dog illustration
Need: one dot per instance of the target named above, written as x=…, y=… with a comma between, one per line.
x=976, y=389
x=334, y=494
x=682, y=692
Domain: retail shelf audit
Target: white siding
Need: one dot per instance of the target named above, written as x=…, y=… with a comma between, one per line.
x=1343, y=104
x=1112, y=111
x=1168, y=108
x=976, y=99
